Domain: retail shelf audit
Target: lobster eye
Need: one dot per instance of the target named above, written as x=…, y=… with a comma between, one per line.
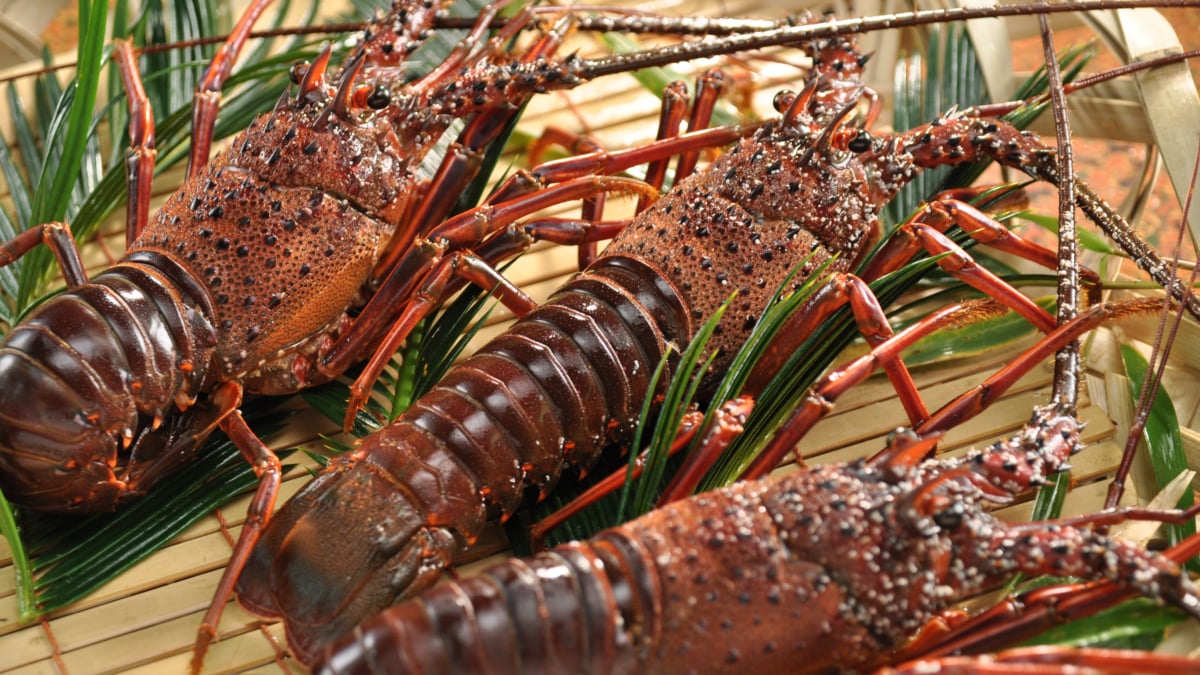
x=783, y=100
x=860, y=143
x=297, y=71
x=950, y=517
x=379, y=98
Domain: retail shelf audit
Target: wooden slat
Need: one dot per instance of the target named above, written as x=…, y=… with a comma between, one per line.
x=145, y=621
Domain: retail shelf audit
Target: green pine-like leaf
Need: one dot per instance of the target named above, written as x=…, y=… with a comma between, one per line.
x=1162, y=437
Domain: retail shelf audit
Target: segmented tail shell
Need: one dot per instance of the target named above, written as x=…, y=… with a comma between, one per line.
x=86, y=375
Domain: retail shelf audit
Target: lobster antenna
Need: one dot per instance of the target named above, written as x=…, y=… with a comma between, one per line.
x=1067, y=361
x=711, y=47
x=1164, y=340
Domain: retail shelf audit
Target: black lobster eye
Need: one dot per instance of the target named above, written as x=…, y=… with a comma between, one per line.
x=950, y=517
x=379, y=98
x=860, y=143
x=783, y=100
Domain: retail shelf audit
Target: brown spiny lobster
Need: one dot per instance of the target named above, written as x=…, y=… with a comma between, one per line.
x=243, y=281
x=826, y=569
x=568, y=379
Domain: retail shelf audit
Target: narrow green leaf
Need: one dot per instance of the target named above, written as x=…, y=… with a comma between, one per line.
x=679, y=397
x=974, y=339
x=26, y=601
x=1137, y=624
x=26, y=139
x=1162, y=437
x=1048, y=503
x=1088, y=240
x=17, y=188
x=643, y=429
x=50, y=204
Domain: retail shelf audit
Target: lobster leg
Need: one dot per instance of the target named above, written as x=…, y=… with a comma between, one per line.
x=270, y=474
x=593, y=207
x=463, y=157
x=820, y=400
x=141, y=155
x=426, y=299
x=959, y=264
x=674, y=107
x=912, y=236
x=608, y=163
x=937, y=215
x=475, y=269
x=969, y=139
x=515, y=240
x=727, y=424
x=208, y=90
x=688, y=428
x=709, y=86
x=58, y=237
x=459, y=232
x=1033, y=612
x=872, y=324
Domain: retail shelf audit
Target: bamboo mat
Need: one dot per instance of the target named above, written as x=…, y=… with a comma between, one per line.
x=146, y=620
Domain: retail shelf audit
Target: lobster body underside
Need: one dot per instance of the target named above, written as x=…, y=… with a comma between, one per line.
x=102, y=365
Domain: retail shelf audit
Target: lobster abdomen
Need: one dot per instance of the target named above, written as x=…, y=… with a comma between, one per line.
x=538, y=399
x=88, y=374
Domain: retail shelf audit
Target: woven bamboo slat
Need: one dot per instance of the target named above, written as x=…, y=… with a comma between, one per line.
x=145, y=621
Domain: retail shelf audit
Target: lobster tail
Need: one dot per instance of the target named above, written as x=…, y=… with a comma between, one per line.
x=327, y=584
x=103, y=364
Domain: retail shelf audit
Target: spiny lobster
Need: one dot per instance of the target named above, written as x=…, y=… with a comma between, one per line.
x=566, y=381
x=246, y=279
x=827, y=569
